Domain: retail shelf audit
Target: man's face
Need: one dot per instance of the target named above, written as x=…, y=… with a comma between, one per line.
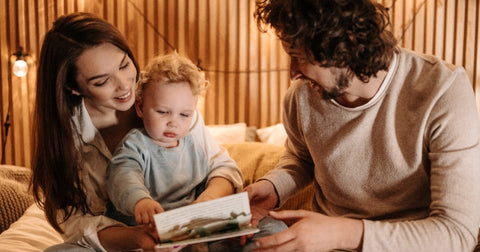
x=330, y=82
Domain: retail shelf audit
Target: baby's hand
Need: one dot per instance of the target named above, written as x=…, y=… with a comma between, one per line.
x=145, y=209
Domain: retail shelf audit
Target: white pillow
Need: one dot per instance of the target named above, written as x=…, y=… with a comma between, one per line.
x=275, y=134
x=228, y=133
x=30, y=233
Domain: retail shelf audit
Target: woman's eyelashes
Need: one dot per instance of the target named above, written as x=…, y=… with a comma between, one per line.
x=124, y=66
x=99, y=84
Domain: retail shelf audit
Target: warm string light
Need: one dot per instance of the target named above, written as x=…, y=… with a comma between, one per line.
x=20, y=67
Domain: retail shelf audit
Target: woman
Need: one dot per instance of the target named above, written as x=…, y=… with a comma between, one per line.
x=84, y=107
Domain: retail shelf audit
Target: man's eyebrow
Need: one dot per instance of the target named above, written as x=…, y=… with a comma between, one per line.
x=103, y=75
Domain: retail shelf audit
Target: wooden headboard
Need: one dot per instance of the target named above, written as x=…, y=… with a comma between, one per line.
x=247, y=69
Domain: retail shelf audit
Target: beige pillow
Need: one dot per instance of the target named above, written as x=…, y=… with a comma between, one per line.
x=275, y=134
x=228, y=133
x=251, y=134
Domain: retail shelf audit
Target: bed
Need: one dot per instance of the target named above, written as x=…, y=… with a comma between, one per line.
x=23, y=226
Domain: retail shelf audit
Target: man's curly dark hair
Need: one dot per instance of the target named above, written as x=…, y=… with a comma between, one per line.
x=335, y=33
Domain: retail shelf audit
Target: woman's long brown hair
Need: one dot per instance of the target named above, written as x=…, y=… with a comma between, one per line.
x=57, y=160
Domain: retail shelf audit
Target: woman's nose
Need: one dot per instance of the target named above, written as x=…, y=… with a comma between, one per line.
x=125, y=83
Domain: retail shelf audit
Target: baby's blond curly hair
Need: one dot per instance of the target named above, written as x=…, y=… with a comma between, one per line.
x=172, y=68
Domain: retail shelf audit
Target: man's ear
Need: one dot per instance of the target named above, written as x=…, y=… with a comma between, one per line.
x=138, y=108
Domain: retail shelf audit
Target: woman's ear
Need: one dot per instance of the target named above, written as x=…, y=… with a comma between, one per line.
x=75, y=92
x=138, y=108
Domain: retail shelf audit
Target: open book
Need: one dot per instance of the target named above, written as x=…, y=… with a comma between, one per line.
x=217, y=219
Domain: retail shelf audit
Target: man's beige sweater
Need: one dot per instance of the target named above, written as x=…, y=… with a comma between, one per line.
x=407, y=163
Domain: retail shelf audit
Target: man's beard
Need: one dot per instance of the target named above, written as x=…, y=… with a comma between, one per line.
x=337, y=91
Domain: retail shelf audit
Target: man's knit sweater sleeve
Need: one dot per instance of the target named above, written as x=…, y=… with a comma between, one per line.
x=295, y=169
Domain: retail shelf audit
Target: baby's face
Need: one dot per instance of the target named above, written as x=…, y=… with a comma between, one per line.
x=167, y=110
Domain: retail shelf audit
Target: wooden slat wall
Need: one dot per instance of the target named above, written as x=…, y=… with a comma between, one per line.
x=449, y=29
x=248, y=70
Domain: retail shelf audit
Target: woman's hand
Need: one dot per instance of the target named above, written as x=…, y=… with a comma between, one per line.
x=129, y=238
x=312, y=231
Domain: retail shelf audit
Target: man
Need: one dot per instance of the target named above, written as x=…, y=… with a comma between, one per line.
x=390, y=138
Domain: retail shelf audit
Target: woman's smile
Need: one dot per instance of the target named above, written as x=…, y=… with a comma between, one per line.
x=124, y=98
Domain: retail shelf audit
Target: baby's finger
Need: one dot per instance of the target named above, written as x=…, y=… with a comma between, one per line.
x=138, y=219
x=152, y=218
x=145, y=218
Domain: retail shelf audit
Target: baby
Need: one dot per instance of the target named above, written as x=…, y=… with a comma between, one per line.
x=165, y=164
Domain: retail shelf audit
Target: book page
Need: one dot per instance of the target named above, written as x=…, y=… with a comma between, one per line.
x=206, y=221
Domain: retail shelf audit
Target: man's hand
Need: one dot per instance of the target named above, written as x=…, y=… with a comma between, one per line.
x=312, y=232
x=263, y=198
x=145, y=209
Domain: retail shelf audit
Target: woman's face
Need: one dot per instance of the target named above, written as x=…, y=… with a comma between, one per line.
x=167, y=111
x=106, y=78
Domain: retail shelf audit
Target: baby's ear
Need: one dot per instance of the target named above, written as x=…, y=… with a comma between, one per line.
x=138, y=108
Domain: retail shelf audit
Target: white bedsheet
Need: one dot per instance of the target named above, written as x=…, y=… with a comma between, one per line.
x=31, y=232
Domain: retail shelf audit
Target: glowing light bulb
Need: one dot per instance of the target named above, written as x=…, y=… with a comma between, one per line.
x=20, y=67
